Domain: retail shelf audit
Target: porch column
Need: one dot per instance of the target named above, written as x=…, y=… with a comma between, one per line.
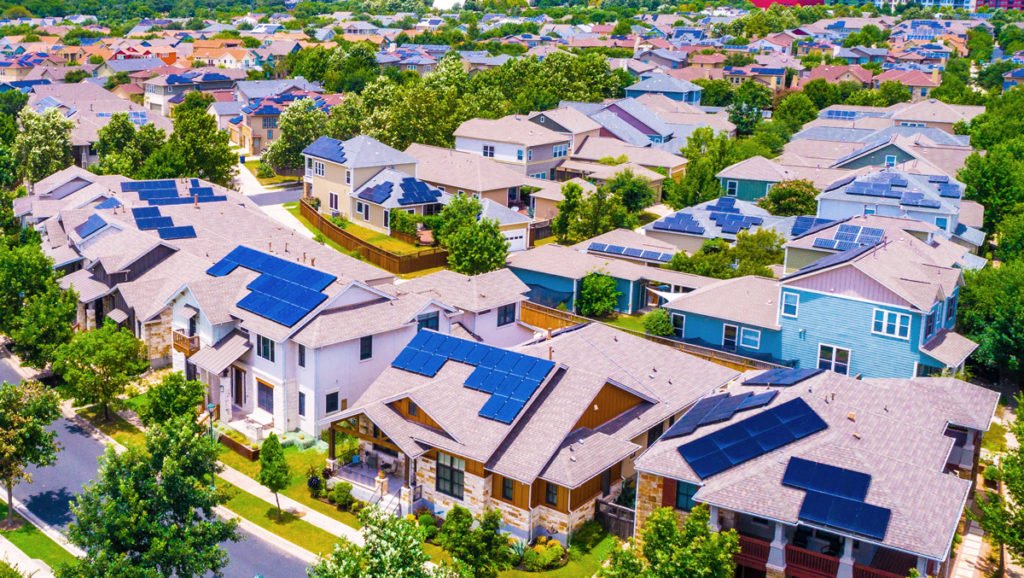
x=922, y=566
x=846, y=562
x=406, y=462
x=776, y=564
x=715, y=525
x=332, y=455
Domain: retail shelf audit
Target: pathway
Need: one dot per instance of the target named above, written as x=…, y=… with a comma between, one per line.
x=22, y=562
x=969, y=562
x=281, y=215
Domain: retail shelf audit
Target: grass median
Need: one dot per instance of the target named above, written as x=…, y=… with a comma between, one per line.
x=34, y=542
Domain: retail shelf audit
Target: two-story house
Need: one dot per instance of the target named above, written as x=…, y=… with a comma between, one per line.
x=823, y=475
x=517, y=141
x=163, y=91
x=255, y=128
x=673, y=88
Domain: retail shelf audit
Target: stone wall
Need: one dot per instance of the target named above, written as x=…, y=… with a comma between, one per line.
x=476, y=495
x=649, y=489
x=554, y=524
x=516, y=521
x=158, y=339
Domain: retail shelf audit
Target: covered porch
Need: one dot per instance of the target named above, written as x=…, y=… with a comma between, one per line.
x=380, y=473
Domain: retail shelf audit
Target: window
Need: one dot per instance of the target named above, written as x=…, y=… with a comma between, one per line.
x=265, y=348
x=731, y=187
x=529, y=154
x=302, y=404
x=489, y=151
x=950, y=308
x=451, y=473
x=942, y=223
x=519, y=154
x=348, y=177
x=365, y=347
x=684, y=496
x=414, y=410
x=302, y=355
x=729, y=333
x=750, y=338
x=790, y=304
x=507, y=486
x=559, y=151
x=551, y=494
x=541, y=176
x=891, y=323
x=332, y=200
x=929, y=324
x=432, y=209
x=264, y=396
x=870, y=209
x=654, y=433
x=678, y=325
x=506, y=314
x=332, y=402
x=363, y=209
x=890, y=160
x=834, y=358
x=318, y=168
x=513, y=194
x=270, y=135
x=270, y=122
x=428, y=321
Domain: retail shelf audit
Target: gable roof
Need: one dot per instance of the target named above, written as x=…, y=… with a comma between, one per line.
x=357, y=152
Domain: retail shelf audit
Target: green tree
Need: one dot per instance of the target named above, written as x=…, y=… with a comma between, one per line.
x=748, y=105
x=1002, y=514
x=43, y=146
x=174, y=396
x=755, y=251
x=274, y=472
x=717, y=92
x=300, y=124
x=635, y=191
x=118, y=135
x=771, y=136
x=794, y=111
x=392, y=549
x=599, y=295
x=821, y=93
x=350, y=71
x=670, y=551
x=600, y=212
x=995, y=179
x=990, y=312
x=26, y=412
x=12, y=101
x=893, y=92
x=43, y=325
x=481, y=551
x=98, y=365
x=791, y=198
x=196, y=148
x=478, y=248
x=461, y=211
x=657, y=322
x=622, y=28
x=707, y=154
x=568, y=211
x=714, y=259
x=24, y=273
x=75, y=76
x=150, y=510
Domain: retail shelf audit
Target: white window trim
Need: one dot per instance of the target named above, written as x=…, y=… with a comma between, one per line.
x=849, y=356
x=783, y=310
x=672, y=318
x=736, y=327
x=318, y=168
x=885, y=323
x=734, y=185
x=744, y=332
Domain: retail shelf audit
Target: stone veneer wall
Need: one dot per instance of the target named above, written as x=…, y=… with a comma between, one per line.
x=158, y=339
x=476, y=495
x=515, y=521
x=555, y=524
x=649, y=490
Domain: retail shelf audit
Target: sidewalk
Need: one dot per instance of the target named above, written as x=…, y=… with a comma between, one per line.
x=21, y=561
x=968, y=560
x=281, y=215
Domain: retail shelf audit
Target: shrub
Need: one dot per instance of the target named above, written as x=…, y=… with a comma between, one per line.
x=403, y=222
x=319, y=238
x=339, y=221
x=428, y=527
x=657, y=322
x=342, y=495
x=992, y=474
x=544, y=557
x=530, y=557
x=518, y=548
x=265, y=171
x=587, y=536
x=315, y=203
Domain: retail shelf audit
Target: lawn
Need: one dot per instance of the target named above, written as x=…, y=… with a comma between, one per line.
x=586, y=566
x=286, y=525
x=123, y=432
x=380, y=240
x=545, y=241
x=138, y=402
x=253, y=165
x=629, y=322
x=35, y=543
x=995, y=438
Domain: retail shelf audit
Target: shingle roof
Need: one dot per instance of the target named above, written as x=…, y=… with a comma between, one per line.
x=510, y=129
x=358, y=152
x=474, y=293
x=461, y=170
x=751, y=300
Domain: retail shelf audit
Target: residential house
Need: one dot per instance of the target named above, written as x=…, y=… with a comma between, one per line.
x=919, y=83
x=568, y=121
x=254, y=128
x=247, y=91
x=663, y=84
x=594, y=149
x=163, y=91
x=753, y=178
x=232, y=58
x=663, y=58
x=714, y=60
x=457, y=172
x=600, y=173
x=516, y=141
x=773, y=78
x=630, y=246
x=834, y=74
x=862, y=54
x=721, y=218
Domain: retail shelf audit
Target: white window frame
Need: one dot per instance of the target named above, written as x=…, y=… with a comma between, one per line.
x=682, y=327
x=747, y=331
x=265, y=348
x=318, y=168
x=363, y=209
x=885, y=316
x=890, y=163
x=835, y=349
x=529, y=154
x=488, y=149
x=732, y=188
x=560, y=150
x=796, y=305
x=736, y=340
x=348, y=176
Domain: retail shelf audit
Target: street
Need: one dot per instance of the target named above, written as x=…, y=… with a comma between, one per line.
x=53, y=488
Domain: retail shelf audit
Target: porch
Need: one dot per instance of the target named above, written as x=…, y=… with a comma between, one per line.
x=186, y=344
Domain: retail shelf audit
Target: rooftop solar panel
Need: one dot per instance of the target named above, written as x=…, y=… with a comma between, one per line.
x=690, y=421
x=725, y=409
x=151, y=223
x=172, y=233
x=817, y=477
x=850, y=515
x=783, y=376
x=145, y=212
x=600, y=247
x=756, y=401
x=273, y=309
x=110, y=203
x=90, y=226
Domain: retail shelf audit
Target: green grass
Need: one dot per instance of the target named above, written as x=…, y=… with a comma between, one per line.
x=631, y=322
x=377, y=239
x=253, y=166
x=995, y=438
x=545, y=241
x=286, y=525
x=123, y=432
x=35, y=543
x=138, y=402
x=586, y=566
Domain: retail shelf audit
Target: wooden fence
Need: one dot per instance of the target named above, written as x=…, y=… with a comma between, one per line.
x=539, y=230
x=398, y=264
x=553, y=319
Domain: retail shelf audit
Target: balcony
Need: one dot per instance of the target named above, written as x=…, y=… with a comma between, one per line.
x=802, y=563
x=188, y=345
x=753, y=553
x=861, y=571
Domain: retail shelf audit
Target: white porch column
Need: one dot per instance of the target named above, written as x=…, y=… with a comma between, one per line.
x=715, y=525
x=846, y=562
x=922, y=566
x=777, y=555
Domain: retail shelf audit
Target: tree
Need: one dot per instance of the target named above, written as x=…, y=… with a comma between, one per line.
x=43, y=146
x=995, y=179
x=622, y=28
x=43, y=325
x=392, y=549
x=26, y=411
x=118, y=135
x=991, y=311
x=714, y=259
x=670, y=550
x=893, y=92
x=150, y=511
x=300, y=124
x=482, y=551
x=599, y=295
x=755, y=251
x=794, y=111
x=478, y=248
x=657, y=322
x=274, y=472
x=748, y=105
x=791, y=198
x=568, y=211
x=821, y=93
x=98, y=365
x=635, y=192
x=24, y=273
x=600, y=212
x=461, y=211
x=174, y=396
x=1002, y=514
x=12, y=101
x=196, y=148
x=715, y=92
x=75, y=76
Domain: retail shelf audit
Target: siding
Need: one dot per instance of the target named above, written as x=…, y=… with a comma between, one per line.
x=877, y=158
x=520, y=492
x=609, y=403
x=711, y=329
x=747, y=190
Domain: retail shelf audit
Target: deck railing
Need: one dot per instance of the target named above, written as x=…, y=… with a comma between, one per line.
x=753, y=552
x=802, y=563
x=184, y=343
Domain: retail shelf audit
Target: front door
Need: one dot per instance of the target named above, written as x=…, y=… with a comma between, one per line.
x=238, y=386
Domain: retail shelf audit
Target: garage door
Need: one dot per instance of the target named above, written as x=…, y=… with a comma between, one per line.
x=516, y=239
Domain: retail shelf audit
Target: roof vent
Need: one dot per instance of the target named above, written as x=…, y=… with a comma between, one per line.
x=852, y=416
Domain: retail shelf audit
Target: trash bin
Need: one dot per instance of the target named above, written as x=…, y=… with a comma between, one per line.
x=241, y=159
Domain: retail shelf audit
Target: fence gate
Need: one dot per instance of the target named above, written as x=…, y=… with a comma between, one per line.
x=617, y=520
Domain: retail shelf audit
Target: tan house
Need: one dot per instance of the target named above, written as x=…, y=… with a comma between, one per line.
x=596, y=148
x=458, y=172
x=568, y=121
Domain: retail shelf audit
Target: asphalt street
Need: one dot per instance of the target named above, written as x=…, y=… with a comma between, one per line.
x=53, y=488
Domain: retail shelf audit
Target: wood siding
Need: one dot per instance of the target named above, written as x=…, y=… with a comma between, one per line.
x=472, y=467
x=608, y=404
x=539, y=492
x=592, y=487
x=520, y=492
x=421, y=417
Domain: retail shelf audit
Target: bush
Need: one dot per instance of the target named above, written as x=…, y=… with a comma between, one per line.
x=315, y=203
x=402, y=222
x=992, y=474
x=657, y=322
x=342, y=495
x=265, y=171
x=315, y=485
x=544, y=557
x=428, y=527
x=339, y=221
x=357, y=506
x=587, y=536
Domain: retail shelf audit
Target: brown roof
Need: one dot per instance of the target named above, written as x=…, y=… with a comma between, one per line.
x=510, y=129
x=454, y=169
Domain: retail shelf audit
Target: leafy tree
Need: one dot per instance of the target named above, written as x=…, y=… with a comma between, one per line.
x=461, y=211
x=657, y=322
x=893, y=92
x=622, y=28
x=1003, y=120
x=118, y=135
x=392, y=548
x=273, y=468
x=991, y=310
x=771, y=136
x=117, y=79
x=670, y=550
x=75, y=76
x=600, y=212
x=991, y=77
x=707, y=154
x=755, y=251
x=717, y=92
x=172, y=397
x=196, y=148
x=24, y=273
x=12, y=101
x=794, y=111
x=43, y=146
x=635, y=192
x=26, y=411
x=8, y=131
x=748, y=104
x=1002, y=515
x=98, y=365
x=482, y=551
x=738, y=59
x=714, y=259
x=478, y=248
x=352, y=70
x=568, y=211
x=995, y=179
x=300, y=124
x=791, y=198
x=150, y=510
x=44, y=324
x=599, y=295
x=821, y=93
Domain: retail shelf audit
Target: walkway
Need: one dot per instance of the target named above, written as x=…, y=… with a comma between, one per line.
x=968, y=560
x=281, y=215
x=22, y=562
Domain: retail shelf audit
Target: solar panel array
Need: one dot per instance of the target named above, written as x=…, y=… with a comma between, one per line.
x=656, y=256
x=841, y=183
x=150, y=219
x=783, y=376
x=751, y=438
x=377, y=193
x=165, y=192
x=733, y=223
x=950, y=190
x=171, y=233
x=284, y=293
x=804, y=224
x=917, y=199
x=866, y=189
x=716, y=408
x=835, y=498
x=849, y=237
x=416, y=192
x=509, y=377
x=680, y=223
x=91, y=225
x=835, y=259
x=110, y=203
x=841, y=114
x=723, y=205
x=138, y=118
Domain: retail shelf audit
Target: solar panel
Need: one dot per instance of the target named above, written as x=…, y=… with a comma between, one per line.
x=630, y=252
x=90, y=226
x=825, y=243
x=783, y=376
x=171, y=233
x=201, y=191
x=803, y=225
x=616, y=250
x=151, y=223
x=287, y=291
x=756, y=401
x=600, y=247
x=917, y=199
x=110, y=203
x=273, y=309
x=850, y=515
x=725, y=409
x=817, y=477
x=145, y=212
x=950, y=190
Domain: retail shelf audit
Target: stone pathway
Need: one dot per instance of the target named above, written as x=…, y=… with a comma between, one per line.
x=968, y=560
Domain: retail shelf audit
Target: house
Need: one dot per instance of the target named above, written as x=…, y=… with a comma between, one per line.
x=249, y=90
x=721, y=218
x=565, y=437
x=600, y=173
x=663, y=58
x=459, y=172
x=594, y=149
x=751, y=179
x=773, y=78
x=919, y=83
x=129, y=66
x=568, y=121
x=163, y=91
x=253, y=129
x=517, y=141
x=663, y=84
x=554, y=274
x=545, y=195
x=629, y=246
x=834, y=74
x=865, y=484
x=862, y=54
x=232, y=58
x=1012, y=78
x=714, y=60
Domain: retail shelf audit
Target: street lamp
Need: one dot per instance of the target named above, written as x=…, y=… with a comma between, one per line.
x=213, y=475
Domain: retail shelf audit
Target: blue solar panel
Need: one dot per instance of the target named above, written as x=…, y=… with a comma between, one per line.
x=201, y=191
x=137, y=186
x=679, y=223
x=825, y=243
x=492, y=406
x=269, y=264
x=148, y=224
x=833, y=260
x=630, y=252
x=186, y=200
x=817, y=477
x=416, y=192
x=110, y=203
x=690, y=421
x=805, y=224
x=783, y=376
x=377, y=193
x=616, y=250
x=725, y=409
x=171, y=233
x=146, y=212
x=286, y=291
x=850, y=515
x=273, y=309
x=91, y=225
x=916, y=199
x=600, y=247
x=950, y=190
x=756, y=401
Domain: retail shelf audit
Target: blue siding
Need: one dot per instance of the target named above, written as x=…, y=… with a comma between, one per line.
x=710, y=330
x=549, y=290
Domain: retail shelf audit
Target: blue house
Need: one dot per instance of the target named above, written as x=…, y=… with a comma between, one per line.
x=673, y=88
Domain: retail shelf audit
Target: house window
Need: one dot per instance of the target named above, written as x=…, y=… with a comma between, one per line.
x=513, y=194
x=506, y=314
x=264, y=397
x=302, y=355
x=790, y=304
x=348, y=177
x=529, y=154
x=870, y=209
x=270, y=122
x=428, y=321
x=942, y=223
x=507, y=486
x=551, y=494
x=332, y=200
x=489, y=151
x=684, y=496
x=318, y=168
x=414, y=410
x=541, y=176
x=929, y=324
x=331, y=404
x=451, y=474
x=363, y=209
x=750, y=338
x=519, y=154
x=302, y=404
x=890, y=160
x=891, y=323
x=270, y=135
x=559, y=151
x=731, y=187
x=729, y=334
x=265, y=348
x=365, y=347
x=654, y=433
x=950, y=308
x=834, y=358
x=678, y=325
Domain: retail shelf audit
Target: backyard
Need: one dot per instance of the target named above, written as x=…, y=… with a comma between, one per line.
x=377, y=239
x=253, y=167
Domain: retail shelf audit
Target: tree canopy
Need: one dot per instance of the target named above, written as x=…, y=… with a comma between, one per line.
x=991, y=312
x=172, y=397
x=475, y=245
x=43, y=146
x=300, y=124
x=599, y=295
x=26, y=412
x=748, y=105
x=791, y=198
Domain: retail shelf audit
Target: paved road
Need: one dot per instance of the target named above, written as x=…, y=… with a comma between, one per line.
x=53, y=488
